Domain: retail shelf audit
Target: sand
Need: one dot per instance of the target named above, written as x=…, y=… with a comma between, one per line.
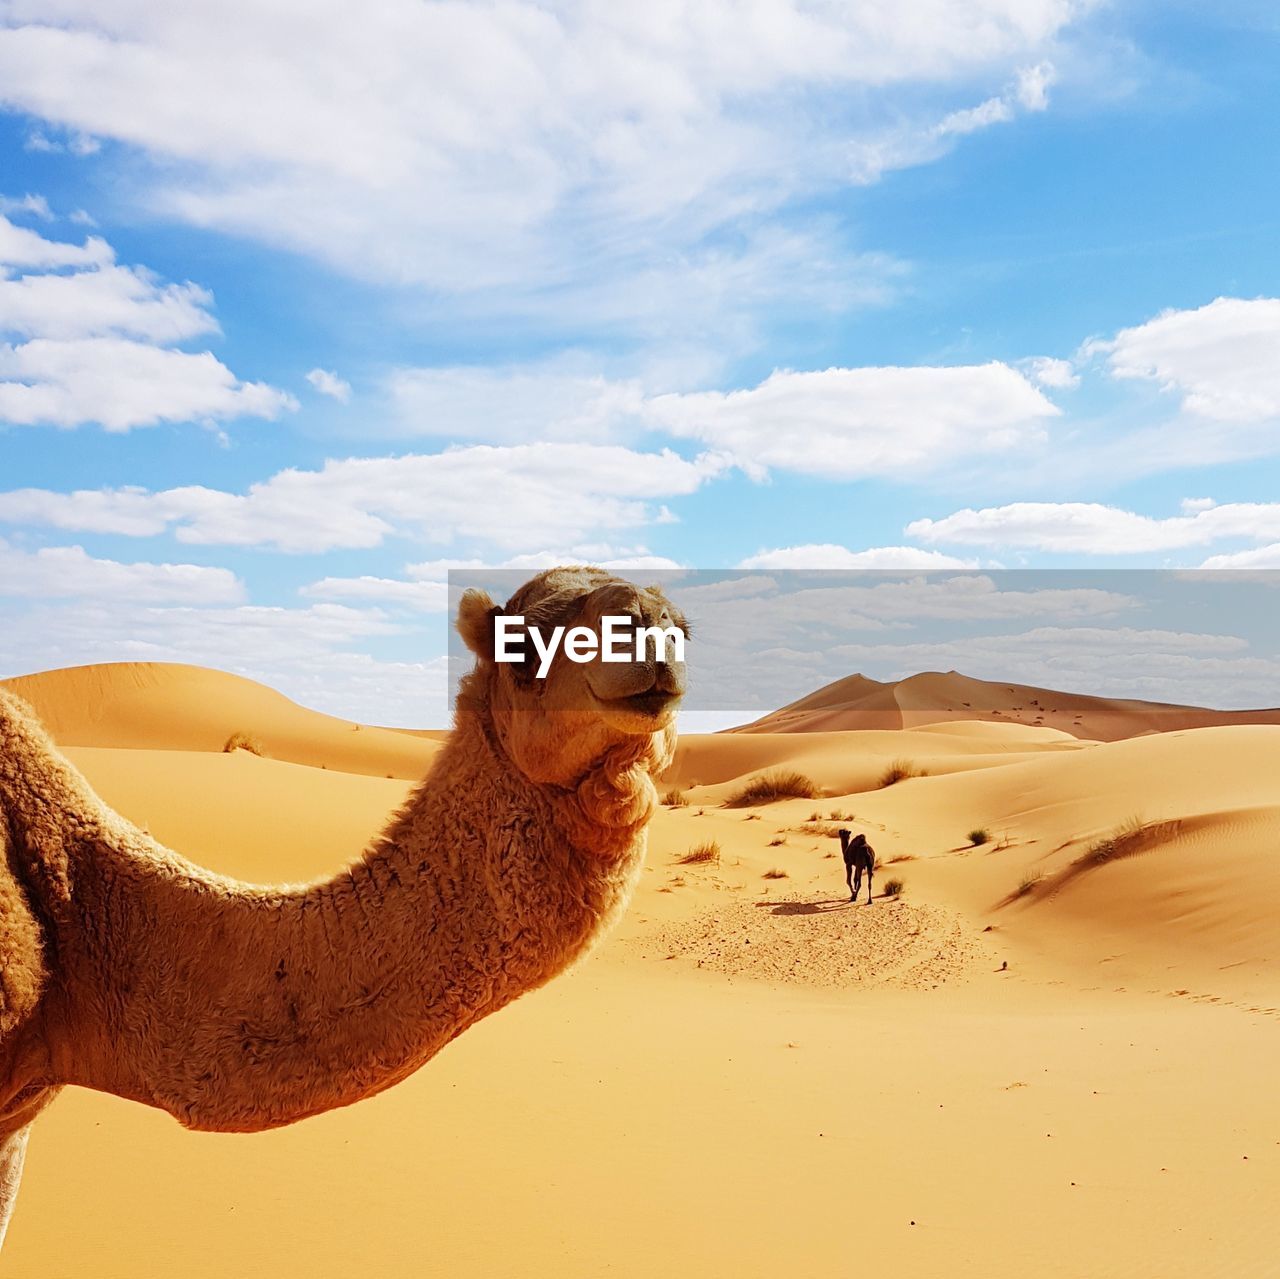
x=189, y=708
x=752, y=1076
x=936, y=697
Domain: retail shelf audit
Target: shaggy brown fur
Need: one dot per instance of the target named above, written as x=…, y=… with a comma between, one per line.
x=126, y=968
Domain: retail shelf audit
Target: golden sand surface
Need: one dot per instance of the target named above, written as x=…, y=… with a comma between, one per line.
x=1054, y=1054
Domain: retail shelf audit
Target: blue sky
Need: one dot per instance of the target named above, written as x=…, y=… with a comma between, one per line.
x=297, y=312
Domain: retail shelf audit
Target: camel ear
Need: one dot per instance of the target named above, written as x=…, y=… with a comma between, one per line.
x=476, y=611
x=676, y=615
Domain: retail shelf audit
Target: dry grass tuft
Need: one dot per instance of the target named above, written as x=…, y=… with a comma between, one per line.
x=776, y=873
x=766, y=788
x=1027, y=884
x=1116, y=841
x=243, y=742
x=899, y=771
x=825, y=829
x=675, y=798
x=894, y=888
x=979, y=836
x=704, y=854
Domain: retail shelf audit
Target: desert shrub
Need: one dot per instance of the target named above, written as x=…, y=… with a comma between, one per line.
x=836, y=815
x=243, y=742
x=776, y=784
x=776, y=842
x=893, y=887
x=775, y=872
x=899, y=771
x=675, y=798
x=1028, y=882
x=825, y=829
x=979, y=836
x=1114, y=841
x=704, y=854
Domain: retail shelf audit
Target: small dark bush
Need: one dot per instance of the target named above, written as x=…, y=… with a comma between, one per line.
x=777, y=784
x=704, y=854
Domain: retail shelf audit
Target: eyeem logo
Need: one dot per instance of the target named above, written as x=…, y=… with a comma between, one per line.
x=619, y=640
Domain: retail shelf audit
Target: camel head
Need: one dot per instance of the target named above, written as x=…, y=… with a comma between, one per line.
x=556, y=717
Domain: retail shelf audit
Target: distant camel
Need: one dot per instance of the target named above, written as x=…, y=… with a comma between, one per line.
x=127, y=969
x=858, y=856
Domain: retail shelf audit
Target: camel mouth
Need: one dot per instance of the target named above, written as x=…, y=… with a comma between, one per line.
x=643, y=711
x=655, y=702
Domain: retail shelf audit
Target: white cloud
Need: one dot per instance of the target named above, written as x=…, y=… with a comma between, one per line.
x=473, y=147
x=99, y=342
x=1045, y=370
x=971, y=119
x=1030, y=92
x=438, y=570
x=1258, y=557
x=77, y=144
x=507, y=405
x=829, y=556
x=69, y=572
x=852, y=423
x=20, y=246
x=1222, y=358
x=36, y=205
x=1096, y=529
x=122, y=384
x=330, y=384
x=426, y=587
x=110, y=300
x=617, y=561
x=429, y=597
x=545, y=494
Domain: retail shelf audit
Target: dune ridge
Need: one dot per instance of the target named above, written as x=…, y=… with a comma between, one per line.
x=932, y=697
x=171, y=706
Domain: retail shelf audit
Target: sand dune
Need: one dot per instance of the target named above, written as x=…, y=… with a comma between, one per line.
x=711, y=765
x=278, y=821
x=752, y=1077
x=857, y=702
x=173, y=707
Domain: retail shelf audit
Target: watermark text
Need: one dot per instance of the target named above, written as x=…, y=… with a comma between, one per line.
x=618, y=640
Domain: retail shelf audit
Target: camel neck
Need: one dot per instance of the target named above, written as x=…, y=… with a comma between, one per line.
x=236, y=1007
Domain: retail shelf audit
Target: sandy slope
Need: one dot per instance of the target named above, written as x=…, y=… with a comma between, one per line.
x=934, y=697
x=175, y=707
x=754, y=1077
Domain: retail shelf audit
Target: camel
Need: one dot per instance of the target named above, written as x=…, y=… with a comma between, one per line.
x=859, y=856
x=236, y=1007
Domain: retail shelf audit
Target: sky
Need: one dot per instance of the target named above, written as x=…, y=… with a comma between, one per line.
x=303, y=306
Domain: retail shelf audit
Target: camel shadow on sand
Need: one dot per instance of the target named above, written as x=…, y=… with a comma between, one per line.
x=807, y=908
